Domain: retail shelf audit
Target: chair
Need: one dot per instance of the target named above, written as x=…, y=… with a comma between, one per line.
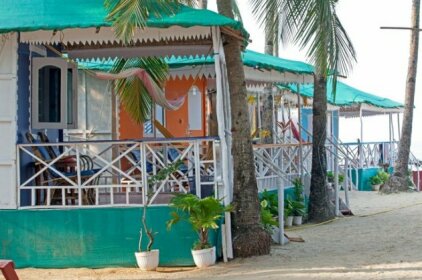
x=67, y=166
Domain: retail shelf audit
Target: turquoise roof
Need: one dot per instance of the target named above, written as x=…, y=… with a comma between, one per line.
x=32, y=15
x=347, y=96
x=250, y=58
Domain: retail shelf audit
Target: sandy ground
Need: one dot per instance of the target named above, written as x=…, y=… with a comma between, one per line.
x=382, y=241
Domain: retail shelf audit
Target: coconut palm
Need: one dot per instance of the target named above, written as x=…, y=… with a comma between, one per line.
x=249, y=237
x=314, y=25
x=399, y=181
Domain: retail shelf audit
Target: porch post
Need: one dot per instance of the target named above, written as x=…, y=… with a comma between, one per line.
x=361, y=139
x=391, y=136
x=224, y=138
x=299, y=105
x=398, y=126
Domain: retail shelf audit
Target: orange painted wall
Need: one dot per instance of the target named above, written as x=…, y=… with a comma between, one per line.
x=128, y=129
x=176, y=122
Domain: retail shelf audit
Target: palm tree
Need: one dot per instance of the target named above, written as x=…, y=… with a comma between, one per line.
x=315, y=25
x=399, y=180
x=249, y=237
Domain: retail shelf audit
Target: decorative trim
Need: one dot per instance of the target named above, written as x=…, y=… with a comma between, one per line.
x=106, y=35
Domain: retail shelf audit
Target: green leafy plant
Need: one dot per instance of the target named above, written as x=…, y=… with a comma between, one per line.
x=288, y=207
x=269, y=210
x=375, y=180
x=154, y=179
x=384, y=176
x=203, y=214
x=298, y=208
x=330, y=177
x=380, y=178
x=298, y=189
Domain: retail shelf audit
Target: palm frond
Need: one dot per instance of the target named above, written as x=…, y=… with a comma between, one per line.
x=127, y=16
x=132, y=93
x=312, y=25
x=236, y=11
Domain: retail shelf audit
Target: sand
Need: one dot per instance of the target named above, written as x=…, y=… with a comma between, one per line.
x=382, y=241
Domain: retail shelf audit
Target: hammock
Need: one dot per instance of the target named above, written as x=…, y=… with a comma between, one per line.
x=156, y=93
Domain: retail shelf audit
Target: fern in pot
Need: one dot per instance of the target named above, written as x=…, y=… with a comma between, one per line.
x=148, y=259
x=203, y=214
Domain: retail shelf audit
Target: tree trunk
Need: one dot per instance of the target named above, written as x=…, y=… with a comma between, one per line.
x=399, y=181
x=320, y=206
x=267, y=98
x=203, y=4
x=250, y=239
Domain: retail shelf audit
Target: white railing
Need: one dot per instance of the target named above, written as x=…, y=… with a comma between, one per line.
x=281, y=161
x=115, y=173
x=369, y=154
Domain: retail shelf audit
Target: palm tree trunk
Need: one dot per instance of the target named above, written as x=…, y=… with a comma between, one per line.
x=320, y=206
x=399, y=181
x=203, y=4
x=267, y=97
x=249, y=237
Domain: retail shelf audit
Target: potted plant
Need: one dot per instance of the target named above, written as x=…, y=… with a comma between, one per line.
x=298, y=212
x=148, y=260
x=375, y=182
x=288, y=212
x=203, y=214
x=298, y=206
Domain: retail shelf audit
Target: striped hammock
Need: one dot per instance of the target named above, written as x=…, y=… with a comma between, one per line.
x=156, y=93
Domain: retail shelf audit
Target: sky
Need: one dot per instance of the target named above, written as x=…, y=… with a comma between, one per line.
x=382, y=59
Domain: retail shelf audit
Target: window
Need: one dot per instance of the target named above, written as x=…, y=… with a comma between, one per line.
x=195, y=109
x=54, y=93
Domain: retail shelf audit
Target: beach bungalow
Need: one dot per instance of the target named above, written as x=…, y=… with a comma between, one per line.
x=72, y=203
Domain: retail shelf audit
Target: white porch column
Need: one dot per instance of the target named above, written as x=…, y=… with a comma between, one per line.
x=299, y=106
x=9, y=194
x=361, y=138
x=223, y=99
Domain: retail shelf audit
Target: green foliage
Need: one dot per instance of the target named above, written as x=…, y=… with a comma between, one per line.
x=268, y=220
x=330, y=177
x=269, y=201
x=203, y=214
x=312, y=25
x=298, y=189
x=375, y=180
x=269, y=210
x=384, y=176
x=288, y=207
x=298, y=206
x=380, y=178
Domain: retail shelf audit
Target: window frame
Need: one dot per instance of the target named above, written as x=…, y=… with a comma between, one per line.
x=37, y=64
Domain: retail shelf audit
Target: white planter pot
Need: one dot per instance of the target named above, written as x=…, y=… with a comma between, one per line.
x=297, y=220
x=376, y=187
x=148, y=261
x=204, y=258
x=289, y=221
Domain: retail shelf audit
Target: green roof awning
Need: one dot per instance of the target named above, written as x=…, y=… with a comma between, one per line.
x=32, y=15
x=250, y=58
x=346, y=96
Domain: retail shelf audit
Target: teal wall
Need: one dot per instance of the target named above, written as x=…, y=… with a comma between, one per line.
x=364, y=177
x=102, y=237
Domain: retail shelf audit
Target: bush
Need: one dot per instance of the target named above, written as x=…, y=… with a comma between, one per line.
x=380, y=178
